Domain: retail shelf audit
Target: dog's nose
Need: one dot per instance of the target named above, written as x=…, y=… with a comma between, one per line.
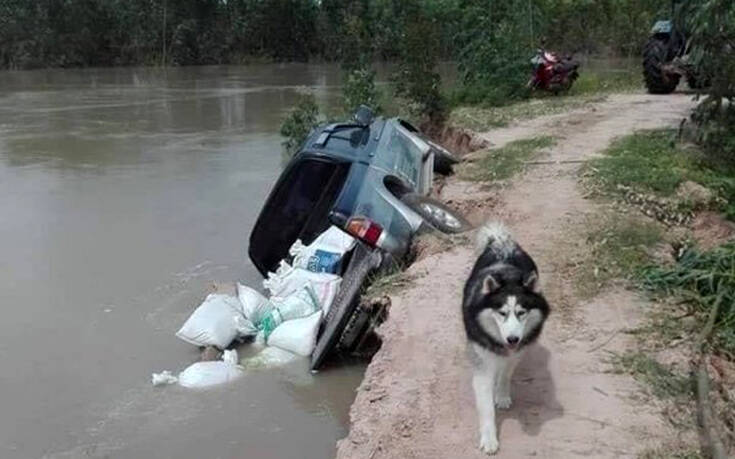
x=513, y=340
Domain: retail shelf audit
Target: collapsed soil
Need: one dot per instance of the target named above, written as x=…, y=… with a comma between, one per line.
x=416, y=400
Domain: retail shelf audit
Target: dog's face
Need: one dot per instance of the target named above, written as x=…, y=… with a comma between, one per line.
x=512, y=315
x=508, y=321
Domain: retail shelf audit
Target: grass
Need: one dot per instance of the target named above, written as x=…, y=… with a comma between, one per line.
x=479, y=119
x=386, y=281
x=652, y=162
x=700, y=278
x=620, y=248
x=598, y=82
x=662, y=382
x=502, y=163
x=591, y=87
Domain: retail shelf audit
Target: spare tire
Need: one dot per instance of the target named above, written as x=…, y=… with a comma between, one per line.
x=436, y=214
x=364, y=261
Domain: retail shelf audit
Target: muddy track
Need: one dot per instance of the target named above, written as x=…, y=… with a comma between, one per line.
x=416, y=399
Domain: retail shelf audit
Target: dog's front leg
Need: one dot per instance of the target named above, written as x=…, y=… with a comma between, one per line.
x=483, y=382
x=502, y=392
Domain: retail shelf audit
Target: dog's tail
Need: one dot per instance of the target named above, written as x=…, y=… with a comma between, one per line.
x=495, y=236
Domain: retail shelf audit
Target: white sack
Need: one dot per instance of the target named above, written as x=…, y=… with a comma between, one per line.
x=254, y=305
x=288, y=279
x=270, y=357
x=301, y=303
x=201, y=375
x=216, y=322
x=325, y=253
x=297, y=335
x=163, y=378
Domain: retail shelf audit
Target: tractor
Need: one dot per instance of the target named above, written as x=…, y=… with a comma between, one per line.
x=665, y=55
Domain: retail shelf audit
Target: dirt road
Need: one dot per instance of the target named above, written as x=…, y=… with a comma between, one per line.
x=416, y=399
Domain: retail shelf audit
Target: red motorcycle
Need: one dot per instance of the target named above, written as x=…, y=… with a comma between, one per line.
x=552, y=72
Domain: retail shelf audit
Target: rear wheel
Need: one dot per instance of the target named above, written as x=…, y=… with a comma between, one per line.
x=654, y=57
x=364, y=261
x=437, y=214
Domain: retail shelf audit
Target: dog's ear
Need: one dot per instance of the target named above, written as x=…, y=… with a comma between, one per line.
x=531, y=281
x=489, y=285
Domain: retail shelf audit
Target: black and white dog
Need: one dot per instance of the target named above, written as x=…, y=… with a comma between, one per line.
x=503, y=312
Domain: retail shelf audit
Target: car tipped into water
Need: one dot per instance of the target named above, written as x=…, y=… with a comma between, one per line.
x=370, y=177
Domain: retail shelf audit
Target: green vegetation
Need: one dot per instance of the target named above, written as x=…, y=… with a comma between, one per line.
x=662, y=381
x=62, y=33
x=620, y=248
x=712, y=27
x=387, y=281
x=481, y=119
x=497, y=39
x=591, y=82
x=652, y=162
x=416, y=78
x=700, y=278
x=692, y=283
x=502, y=163
x=299, y=122
x=493, y=60
x=359, y=88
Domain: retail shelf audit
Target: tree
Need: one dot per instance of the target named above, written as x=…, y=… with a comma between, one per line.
x=417, y=78
x=711, y=24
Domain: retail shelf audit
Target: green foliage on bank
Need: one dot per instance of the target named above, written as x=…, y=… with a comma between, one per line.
x=66, y=33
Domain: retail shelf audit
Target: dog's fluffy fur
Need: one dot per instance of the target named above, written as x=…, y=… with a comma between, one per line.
x=504, y=311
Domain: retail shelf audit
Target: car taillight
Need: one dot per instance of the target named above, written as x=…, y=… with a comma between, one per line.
x=365, y=230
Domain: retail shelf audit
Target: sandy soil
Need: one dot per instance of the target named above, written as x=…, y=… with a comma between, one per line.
x=416, y=399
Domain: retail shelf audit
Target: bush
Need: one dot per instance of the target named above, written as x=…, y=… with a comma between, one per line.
x=712, y=26
x=359, y=89
x=493, y=61
x=299, y=123
x=702, y=277
x=416, y=78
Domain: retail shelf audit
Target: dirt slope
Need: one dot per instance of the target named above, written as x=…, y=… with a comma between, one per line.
x=416, y=400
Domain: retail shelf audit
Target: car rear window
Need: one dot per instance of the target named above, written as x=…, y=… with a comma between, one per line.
x=297, y=209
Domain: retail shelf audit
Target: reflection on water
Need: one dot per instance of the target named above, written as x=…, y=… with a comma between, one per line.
x=125, y=193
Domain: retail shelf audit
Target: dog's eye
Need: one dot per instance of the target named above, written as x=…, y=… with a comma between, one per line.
x=521, y=313
x=503, y=313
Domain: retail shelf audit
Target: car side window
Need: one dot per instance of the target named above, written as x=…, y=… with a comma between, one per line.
x=408, y=155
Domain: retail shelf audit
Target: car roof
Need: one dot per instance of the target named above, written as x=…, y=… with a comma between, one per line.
x=350, y=141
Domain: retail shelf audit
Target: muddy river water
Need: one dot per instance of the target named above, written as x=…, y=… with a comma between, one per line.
x=124, y=193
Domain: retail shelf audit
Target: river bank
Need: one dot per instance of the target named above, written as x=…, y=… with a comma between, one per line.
x=416, y=399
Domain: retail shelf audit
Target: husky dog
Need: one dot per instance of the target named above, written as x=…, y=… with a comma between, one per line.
x=503, y=312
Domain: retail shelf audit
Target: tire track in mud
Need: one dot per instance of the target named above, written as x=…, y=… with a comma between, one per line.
x=416, y=400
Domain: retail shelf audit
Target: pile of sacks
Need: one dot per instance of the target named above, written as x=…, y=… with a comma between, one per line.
x=300, y=294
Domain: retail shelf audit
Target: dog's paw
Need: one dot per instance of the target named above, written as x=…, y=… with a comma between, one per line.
x=489, y=445
x=503, y=402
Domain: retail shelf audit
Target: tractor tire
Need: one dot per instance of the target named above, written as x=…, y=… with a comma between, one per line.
x=654, y=56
